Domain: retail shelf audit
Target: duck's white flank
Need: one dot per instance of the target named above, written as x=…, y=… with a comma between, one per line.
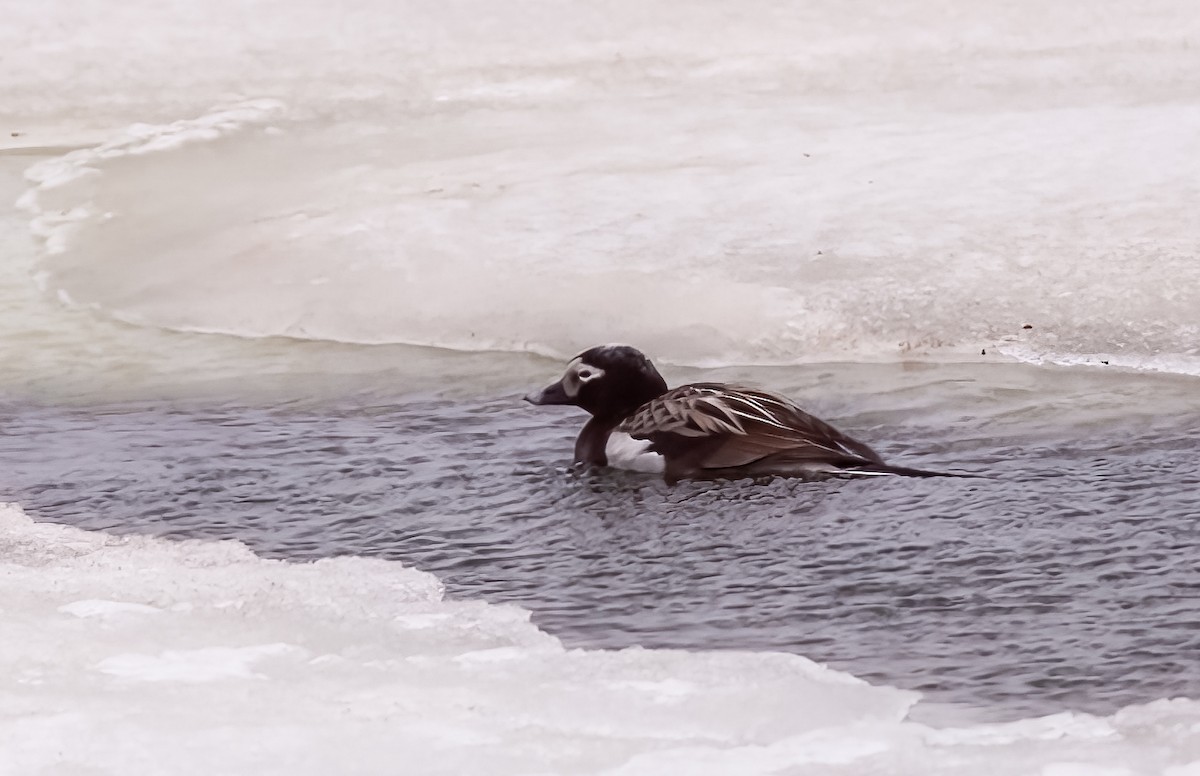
x=625, y=452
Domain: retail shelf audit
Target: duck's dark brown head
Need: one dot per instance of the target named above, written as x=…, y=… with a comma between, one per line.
x=609, y=381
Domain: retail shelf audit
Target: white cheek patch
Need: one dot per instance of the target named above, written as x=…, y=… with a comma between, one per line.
x=577, y=374
x=625, y=452
x=570, y=382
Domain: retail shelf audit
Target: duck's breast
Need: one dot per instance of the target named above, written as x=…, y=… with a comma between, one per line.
x=625, y=452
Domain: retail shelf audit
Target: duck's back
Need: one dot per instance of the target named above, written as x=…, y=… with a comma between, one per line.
x=716, y=430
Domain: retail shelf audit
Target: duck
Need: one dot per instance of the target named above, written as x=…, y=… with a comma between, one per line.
x=700, y=430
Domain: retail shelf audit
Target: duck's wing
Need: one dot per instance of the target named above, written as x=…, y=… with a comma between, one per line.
x=722, y=426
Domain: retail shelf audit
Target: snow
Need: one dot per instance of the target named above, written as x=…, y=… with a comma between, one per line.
x=192, y=665
x=139, y=655
x=771, y=183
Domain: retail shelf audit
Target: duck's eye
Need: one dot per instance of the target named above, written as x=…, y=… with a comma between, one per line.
x=585, y=373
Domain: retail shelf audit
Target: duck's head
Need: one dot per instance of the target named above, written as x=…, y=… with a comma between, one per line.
x=609, y=381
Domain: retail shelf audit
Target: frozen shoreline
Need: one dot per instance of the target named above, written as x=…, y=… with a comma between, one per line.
x=137, y=654
x=780, y=183
x=1046, y=236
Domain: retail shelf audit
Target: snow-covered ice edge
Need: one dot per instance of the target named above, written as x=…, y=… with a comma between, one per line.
x=140, y=655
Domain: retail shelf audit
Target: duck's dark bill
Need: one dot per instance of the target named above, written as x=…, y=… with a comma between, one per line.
x=551, y=394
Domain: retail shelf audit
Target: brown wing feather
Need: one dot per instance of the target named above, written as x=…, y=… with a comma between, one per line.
x=729, y=426
x=687, y=411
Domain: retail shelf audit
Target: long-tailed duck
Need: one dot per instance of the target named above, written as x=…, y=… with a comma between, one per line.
x=702, y=430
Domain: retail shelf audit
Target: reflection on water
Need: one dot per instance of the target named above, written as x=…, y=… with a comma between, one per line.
x=1066, y=579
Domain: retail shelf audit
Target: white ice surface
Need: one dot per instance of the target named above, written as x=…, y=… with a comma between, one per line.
x=749, y=183
x=125, y=655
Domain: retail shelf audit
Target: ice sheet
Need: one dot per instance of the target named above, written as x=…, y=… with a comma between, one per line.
x=132, y=654
x=771, y=184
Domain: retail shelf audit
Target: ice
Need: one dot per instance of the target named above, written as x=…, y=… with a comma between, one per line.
x=192, y=665
x=137, y=655
x=776, y=184
x=95, y=608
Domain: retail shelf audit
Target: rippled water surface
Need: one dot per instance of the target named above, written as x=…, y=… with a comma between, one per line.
x=1067, y=578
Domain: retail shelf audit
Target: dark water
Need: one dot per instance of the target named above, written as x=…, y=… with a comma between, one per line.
x=1068, y=579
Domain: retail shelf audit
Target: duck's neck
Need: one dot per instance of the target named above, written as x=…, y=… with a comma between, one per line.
x=593, y=439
